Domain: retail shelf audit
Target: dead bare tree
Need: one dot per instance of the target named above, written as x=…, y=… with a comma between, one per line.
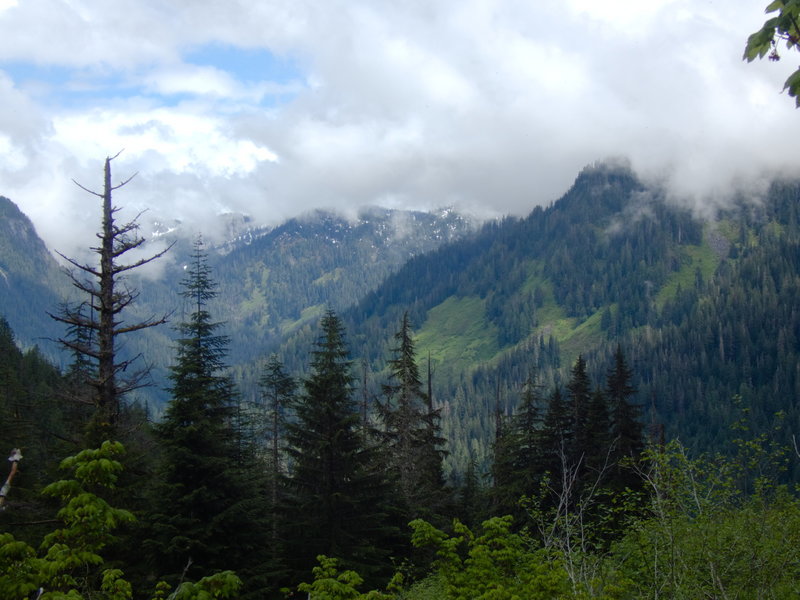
x=108, y=296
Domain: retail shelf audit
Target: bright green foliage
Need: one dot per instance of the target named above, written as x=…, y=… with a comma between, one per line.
x=781, y=28
x=330, y=584
x=497, y=565
x=69, y=564
x=72, y=557
x=220, y=586
x=705, y=537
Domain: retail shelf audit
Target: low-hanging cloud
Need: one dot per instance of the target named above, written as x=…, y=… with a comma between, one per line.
x=491, y=107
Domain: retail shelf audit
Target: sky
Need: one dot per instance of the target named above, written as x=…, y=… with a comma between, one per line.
x=275, y=107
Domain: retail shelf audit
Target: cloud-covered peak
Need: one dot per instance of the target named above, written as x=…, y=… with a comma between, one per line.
x=273, y=108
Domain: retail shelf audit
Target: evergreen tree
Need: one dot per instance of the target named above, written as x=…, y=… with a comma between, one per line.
x=336, y=497
x=471, y=497
x=528, y=424
x=626, y=431
x=558, y=433
x=411, y=432
x=208, y=518
x=579, y=391
x=278, y=390
x=518, y=454
x=504, y=494
x=598, y=443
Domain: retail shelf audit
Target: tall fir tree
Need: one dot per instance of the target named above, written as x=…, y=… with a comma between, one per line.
x=336, y=496
x=208, y=516
x=503, y=496
x=579, y=392
x=598, y=458
x=519, y=458
x=558, y=433
x=411, y=431
x=278, y=393
x=626, y=431
x=528, y=424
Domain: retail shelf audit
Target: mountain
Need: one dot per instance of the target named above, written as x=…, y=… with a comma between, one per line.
x=705, y=310
x=31, y=282
x=272, y=281
x=285, y=278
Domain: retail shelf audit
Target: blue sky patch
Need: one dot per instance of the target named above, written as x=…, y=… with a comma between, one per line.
x=69, y=87
x=248, y=65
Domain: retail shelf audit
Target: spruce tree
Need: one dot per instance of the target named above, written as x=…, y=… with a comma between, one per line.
x=277, y=390
x=207, y=518
x=579, y=391
x=411, y=432
x=626, y=430
x=504, y=495
x=528, y=425
x=598, y=442
x=519, y=458
x=558, y=433
x=336, y=497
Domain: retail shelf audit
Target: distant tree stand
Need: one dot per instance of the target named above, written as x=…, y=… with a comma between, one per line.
x=108, y=296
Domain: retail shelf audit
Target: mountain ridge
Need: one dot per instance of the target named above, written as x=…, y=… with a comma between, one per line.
x=702, y=308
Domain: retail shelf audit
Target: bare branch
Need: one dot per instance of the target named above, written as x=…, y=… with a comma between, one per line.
x=126, y=182
x=85, y=189
x=144, y=261
x=78, y=265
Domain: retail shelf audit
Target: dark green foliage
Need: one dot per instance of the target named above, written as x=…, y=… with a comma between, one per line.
x=34, y=417
x=579, y=396
x=411, y=433
x=278, y=394
x=207, y=515
x=571, y=456
x=519, y=455
x=626, y=431
x=336, y=501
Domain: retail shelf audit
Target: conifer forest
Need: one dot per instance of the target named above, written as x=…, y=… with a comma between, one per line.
x=600, y=400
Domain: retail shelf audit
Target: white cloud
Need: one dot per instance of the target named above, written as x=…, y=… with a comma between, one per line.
x=493, y=106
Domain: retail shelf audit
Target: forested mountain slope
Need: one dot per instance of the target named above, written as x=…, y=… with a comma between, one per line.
x=288, y=277
x=272, y=281
x=31, y=282
x=704, y=310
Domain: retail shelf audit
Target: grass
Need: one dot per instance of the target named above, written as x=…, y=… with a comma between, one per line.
x=307, y=314
x=334, y=275
x=694, y=258
x=457, y=334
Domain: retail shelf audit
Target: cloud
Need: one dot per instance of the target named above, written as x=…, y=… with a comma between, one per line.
x=276, y=107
